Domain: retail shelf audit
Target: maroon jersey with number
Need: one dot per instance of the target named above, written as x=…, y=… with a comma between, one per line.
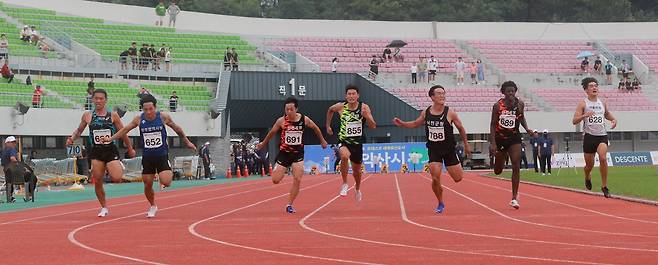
x=291, y=135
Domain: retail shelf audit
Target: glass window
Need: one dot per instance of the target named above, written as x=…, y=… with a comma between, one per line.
x=51, y=142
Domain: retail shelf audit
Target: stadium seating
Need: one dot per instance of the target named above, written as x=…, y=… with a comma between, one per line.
x=12, y=93
x=533, y=56
x=463, y=99
x=646, y=50
x=16, y=46
x=563, y=99
x=192, y=98
x=112, y=39
x=355, y=54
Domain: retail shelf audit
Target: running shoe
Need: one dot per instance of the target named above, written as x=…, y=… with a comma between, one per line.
x=440, y=208
x=104, y=212
x=289, y=209
x=152, y=211
x=588, y=184
x=343, y=189
x=515, y=204
x=359, y=195
x=606, y=192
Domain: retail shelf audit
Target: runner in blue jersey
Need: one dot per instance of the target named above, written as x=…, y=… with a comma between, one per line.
x=155, y=156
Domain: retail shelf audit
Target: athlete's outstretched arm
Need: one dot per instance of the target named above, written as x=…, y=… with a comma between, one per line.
x=124, y=131
x=126, y=140
x=310, y=124
x=275, y=128
x=454, y=118
x=179, y=130
x=79, y=130
x=367, y=114
x=578, y=116
x=608, y=116
x=495, y=115
x=523, y=122
x=330, y=115
x=410, y=124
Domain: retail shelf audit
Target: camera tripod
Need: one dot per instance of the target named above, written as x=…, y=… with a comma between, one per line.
x=565, y=161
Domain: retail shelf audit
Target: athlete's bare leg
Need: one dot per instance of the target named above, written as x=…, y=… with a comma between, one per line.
x=602, y=150
x=97, y=173
x=499, y=161
x=344, y=160
x=148, y=188
x=589, y=165
x=356, y=172
x=297, y=173
x=278, y=173
x=456, y=172
x=514, y=152
x=435, y=171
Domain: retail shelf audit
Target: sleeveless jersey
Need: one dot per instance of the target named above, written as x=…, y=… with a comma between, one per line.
x=154, y=136
x=508, y=120
x=594, y=125
x=351, y=125
x=292, y=135
x=439, y=131
x=101, y=127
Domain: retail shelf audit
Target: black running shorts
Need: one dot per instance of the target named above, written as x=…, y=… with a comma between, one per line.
x=591, y=142
x=447, y=157
x=155, y=164
x=106, y=153
x=504, y=144
x=286, y=159
x=356, y=152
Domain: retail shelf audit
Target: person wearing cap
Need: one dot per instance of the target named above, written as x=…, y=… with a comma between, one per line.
x=26, y=34
x=534, y=143
x=546, y=152
x=9, y=158
x=204, y=153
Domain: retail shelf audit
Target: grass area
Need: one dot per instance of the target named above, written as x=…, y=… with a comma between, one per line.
x=638, y=182
x=59, y=195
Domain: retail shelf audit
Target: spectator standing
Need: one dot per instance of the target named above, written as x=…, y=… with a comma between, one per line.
x=144, y=57
x=534, y=144
x=160, y=11
x=473, y=69
x=480, y=69
x=422, y=70
x=374, y=68
x=153, y=58
x=524, y=158
x=88, y=99
x=432, y=66
x=4, y=47
x=37, y=97
x=608, y=73
x=624, y=69
x=414, y=73
x=167, y=59
x=173, y=102
x=228, y=59
x=459, y=69
x=6, y=72
x=204, y=153
x=334, y=65
x=132, y=52
x=173, y=11
x=236, y=60
x=336, y=151
x=91, y=85
x=142, y=92
x=123, y=59
x=584, y=65
x=545, y=152
x=9, y=158
x=26, y=34
x=597, y=65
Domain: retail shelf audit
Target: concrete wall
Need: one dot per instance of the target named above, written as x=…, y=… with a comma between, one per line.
x=344, y=28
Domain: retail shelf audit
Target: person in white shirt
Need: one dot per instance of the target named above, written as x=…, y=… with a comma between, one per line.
x=334, y=65
x=34, y=35
x=414, y=72
x=26, y=34
x=432, y=66
x=459, y=68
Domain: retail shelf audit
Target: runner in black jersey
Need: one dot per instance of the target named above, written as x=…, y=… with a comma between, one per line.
x=438, y=120
x=104, y=155
x=353, y=113
x=505, y=139
x=291, y=146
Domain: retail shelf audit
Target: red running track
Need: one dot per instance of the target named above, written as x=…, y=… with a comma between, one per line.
x=245, y=223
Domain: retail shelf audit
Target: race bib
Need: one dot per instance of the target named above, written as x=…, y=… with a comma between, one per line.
x=436, y=134
x=595, y=119
x=545, y=145
x=152, y=139
x=99, y=135
x=535, y=144
x=293, y=137
x=354, y=129
x=507, y=121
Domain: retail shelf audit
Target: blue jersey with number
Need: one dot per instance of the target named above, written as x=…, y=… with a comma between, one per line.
x=154, y=136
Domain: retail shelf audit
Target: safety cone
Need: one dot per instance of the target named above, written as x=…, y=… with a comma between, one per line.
x=237, y=172
x=228, y=173
x=269, y=173
x=246, y=172
x=262, y=172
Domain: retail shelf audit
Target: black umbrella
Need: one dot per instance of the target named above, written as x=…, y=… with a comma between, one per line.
x=396, y=43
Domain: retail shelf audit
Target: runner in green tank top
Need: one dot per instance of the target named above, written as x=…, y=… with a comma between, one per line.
x=352, y=114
